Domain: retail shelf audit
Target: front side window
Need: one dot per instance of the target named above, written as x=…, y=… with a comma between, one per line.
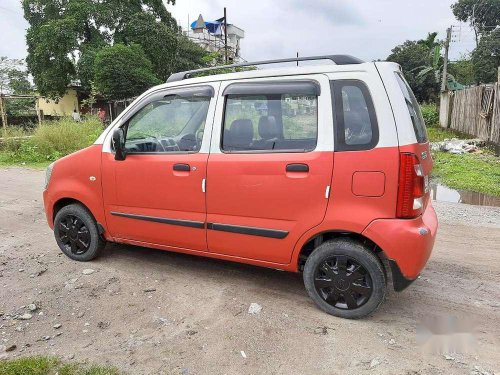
x=173, y=123
x=413, y=109
x=270, y=122
x=356, y=123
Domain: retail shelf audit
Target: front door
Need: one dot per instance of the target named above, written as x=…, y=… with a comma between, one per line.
x=270, y=166
x=156, y=195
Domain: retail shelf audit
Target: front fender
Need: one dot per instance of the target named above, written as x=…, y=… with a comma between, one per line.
x=77, y=177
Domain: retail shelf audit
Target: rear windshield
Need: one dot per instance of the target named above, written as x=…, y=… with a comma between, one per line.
x=413, y=109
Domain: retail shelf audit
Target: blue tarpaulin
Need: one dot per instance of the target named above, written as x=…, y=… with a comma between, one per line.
x=213, y=27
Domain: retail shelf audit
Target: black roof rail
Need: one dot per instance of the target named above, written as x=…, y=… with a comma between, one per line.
x=337, y=59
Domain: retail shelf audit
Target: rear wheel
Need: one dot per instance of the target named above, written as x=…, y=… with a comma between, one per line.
x=77, y=234
x=345, y=279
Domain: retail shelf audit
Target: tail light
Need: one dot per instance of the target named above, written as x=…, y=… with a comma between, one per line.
x=412, y=187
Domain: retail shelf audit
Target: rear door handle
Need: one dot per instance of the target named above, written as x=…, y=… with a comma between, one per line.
x=182, y=167
x=297, y=168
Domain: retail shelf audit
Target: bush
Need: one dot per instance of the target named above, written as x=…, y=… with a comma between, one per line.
x=430, y=114
x=12, y=138
x=53, y=140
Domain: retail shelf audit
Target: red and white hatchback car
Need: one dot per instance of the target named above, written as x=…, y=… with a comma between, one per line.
x=315, y=169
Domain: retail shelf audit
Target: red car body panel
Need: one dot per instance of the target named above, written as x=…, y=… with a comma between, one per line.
x=255, y=190
x=148, y=185
x=71, y=179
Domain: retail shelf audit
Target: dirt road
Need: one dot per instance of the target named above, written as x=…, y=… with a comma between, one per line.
x=154, y=312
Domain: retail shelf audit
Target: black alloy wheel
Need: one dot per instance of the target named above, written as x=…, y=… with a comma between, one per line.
x=345, y=278
x=77, y=233
x=343, y=283
x=74, y=235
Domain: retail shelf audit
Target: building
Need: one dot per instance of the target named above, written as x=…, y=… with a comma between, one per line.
x=210, y=36
x=64, y=106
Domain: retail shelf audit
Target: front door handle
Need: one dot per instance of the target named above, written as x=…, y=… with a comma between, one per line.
x=298, y=167
x=182, y=167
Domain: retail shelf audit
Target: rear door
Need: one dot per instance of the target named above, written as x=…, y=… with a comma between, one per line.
x=365, y=177
x=270, y=166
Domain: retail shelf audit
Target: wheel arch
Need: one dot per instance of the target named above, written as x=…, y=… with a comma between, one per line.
x=317, y=239
x=66, y=201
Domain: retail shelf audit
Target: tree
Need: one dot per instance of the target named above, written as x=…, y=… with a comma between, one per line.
x=64, y=38
x=420, y=62
x=11, y=70
x=482, y=15
x=123, y=71
x=486, y=58
x=462, y=71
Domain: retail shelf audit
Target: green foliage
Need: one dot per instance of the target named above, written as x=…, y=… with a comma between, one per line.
x=65, y=38
x=438, y=134
x=482, y=15
x=165, y=47
x=486, y=58
x=13, y=77
x=420, y=61
x=123, y=71
x=39, y=365
x=463, y=71
x=430, y=114
x=51, y=141
x=474, y=172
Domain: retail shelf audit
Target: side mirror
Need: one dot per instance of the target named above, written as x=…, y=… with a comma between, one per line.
x=119, y=144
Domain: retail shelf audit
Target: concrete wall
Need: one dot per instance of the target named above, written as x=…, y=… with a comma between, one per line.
x=445, y=108
x=63, y=107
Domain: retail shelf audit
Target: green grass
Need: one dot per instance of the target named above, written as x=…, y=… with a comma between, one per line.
x=438, y=134
x=48, y=142
x=474, y=172
x=50, y=366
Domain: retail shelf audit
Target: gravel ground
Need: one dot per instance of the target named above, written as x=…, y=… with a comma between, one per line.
x=466, y=214
x=155, y=312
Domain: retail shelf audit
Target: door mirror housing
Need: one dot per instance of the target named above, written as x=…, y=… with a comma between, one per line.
x=119, y=144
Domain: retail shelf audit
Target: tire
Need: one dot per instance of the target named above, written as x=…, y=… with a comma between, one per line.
x=76, y=233
x=345, y=279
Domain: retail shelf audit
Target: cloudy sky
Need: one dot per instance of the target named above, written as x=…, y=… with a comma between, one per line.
x=368, y=29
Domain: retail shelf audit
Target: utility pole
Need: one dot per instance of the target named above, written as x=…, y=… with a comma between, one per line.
x=444, y=79
x=225, y=33
x=3, y=114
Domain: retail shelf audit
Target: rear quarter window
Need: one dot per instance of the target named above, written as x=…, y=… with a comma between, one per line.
x=413, y=109
x=356, y=125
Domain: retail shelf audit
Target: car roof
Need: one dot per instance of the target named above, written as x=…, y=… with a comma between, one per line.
x=274, y=72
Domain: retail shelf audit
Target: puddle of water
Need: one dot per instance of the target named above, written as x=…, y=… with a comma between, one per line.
x=443, y=193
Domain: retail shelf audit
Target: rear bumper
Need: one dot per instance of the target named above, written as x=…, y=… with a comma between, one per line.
x=407, y=243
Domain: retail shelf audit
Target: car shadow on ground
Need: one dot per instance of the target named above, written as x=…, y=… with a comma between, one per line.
x=138, y=258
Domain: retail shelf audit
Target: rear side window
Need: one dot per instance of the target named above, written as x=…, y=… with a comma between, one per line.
x=356, y=125
x=413, y=109
x=270, y=118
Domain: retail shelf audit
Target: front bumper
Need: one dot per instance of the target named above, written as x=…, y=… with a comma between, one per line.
x=48, y=205
x=407, y=243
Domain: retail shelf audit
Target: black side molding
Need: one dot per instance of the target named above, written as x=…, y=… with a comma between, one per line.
x=163, y=220
x=252, y=231
x=398, y=280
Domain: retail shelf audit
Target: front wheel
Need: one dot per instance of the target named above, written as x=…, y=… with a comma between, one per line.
x=345, y=279
x=77, y=234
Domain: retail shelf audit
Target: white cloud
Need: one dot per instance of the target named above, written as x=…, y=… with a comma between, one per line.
x=368, y=29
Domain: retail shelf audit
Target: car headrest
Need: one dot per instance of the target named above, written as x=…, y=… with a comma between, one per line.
x=268, y=127
x=241, y=133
